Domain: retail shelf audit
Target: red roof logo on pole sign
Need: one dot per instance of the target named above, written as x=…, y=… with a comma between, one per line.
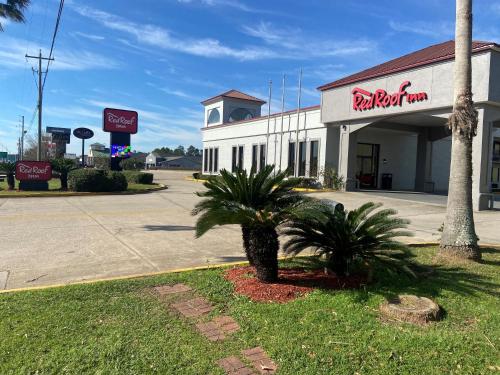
x=33, y=171
x=120, y=121
x=364, y=100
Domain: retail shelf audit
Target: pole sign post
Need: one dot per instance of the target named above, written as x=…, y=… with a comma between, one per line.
x=120, y=123
x=83, y=134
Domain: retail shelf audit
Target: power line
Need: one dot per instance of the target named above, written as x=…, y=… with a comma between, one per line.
x=56, y=29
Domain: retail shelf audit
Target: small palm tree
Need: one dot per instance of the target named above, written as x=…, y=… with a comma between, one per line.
x=13, y=10
x=344, y=236
x=258, y=202
x=9, y=169
x=63, y=166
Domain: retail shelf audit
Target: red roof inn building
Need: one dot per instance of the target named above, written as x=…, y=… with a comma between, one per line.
x=382, y=128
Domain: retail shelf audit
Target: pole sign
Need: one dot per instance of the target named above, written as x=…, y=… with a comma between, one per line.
x=59, y=134
x=363, y=100
x=33, y=171
x=120, y=121
x=83, y=133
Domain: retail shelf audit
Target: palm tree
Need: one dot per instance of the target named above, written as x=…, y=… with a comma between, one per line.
x=13, y=10
x=258, y=202
x=459, y=235
x=63, y=166
x=345, y=236
x=9, y=169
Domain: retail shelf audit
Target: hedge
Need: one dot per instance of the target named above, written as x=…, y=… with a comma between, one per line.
x=135, y=177
x=95, y=180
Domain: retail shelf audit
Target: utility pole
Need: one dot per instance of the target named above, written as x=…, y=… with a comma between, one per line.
x=21, y=154
x=40, y=98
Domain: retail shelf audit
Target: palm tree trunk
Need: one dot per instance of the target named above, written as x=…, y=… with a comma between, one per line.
x=11, y=181
x=459, y=236
x=246, y=232
x=263, y=246
x=64, y=181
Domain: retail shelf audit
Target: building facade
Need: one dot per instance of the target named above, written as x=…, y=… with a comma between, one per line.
x=384, y=127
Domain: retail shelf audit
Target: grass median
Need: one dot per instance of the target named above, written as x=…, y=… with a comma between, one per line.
x=119, y=327
x=55, y=190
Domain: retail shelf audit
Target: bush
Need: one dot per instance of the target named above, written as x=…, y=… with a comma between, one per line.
x=95, y=180
x=309, y=183
x=117, y=181
x=135, y=177
x=331, y=179
x=196, y=175
x=132, y=164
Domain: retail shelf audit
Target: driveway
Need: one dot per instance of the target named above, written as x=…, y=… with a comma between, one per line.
x=45, y=241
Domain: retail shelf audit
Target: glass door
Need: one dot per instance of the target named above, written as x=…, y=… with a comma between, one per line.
x=367, y=165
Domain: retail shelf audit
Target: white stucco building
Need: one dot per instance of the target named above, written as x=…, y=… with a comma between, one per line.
x=386, y=123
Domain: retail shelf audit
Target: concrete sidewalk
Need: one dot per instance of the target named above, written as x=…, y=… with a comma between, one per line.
x=45, y=241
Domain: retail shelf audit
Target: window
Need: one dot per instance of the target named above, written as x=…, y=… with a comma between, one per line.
x=262, y=161
x=313, y=159
x=234, y=164
x=213, y=116
x=216, y=160
x=211, y=160
x=302, y=158
x=240, y=114
x=255, y=150
x=205, y=161
x=291, y=158
x=240, y=157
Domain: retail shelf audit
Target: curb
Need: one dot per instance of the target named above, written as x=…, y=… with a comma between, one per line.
x=83, y=194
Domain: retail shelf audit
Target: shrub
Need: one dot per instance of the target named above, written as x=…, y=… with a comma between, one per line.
x=132, y=164
x=63, y=167
x=196, y=175
x=309, y=183
x=95, y=180
x=135, y=177
x=331, y=178
x=344, y=236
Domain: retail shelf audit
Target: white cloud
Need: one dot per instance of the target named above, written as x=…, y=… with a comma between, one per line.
x=299, y=46
x=155, y=36
x=228, y=4
x=92, y=37
x=434, y=30
x=12, y=55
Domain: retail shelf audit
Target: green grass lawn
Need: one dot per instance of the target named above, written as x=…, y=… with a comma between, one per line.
x=119, y=327
x=55, y=186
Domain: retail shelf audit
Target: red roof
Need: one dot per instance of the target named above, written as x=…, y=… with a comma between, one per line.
x=438, y=52
x=234, y=94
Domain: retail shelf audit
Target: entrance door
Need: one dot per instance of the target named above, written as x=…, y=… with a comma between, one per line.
x=367, y=165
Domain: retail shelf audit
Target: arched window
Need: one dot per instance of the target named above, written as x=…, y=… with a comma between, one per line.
x=214, y=116
x=240, y=114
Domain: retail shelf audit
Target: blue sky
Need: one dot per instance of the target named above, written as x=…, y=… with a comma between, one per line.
x=162, y=57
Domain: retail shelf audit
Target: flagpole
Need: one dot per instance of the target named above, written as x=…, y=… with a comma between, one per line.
x=282, y=112
x=296, y=172
x=268, y=120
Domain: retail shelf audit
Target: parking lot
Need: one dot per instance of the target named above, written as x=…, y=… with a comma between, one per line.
x=45, y=241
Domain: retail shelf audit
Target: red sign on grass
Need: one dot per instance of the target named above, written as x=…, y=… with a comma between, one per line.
x=120, y=121
x=33, y=171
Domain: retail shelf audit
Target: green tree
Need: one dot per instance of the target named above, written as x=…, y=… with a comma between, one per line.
x=132, y=164
x=459, y=237
x=13, y=10
x=193, y=151
x=9, y=169
x=180, y=151
x=258, y=202
x=63, y=167
x=345, y=236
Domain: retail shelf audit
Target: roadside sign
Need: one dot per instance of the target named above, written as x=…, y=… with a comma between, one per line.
x=59, y=134
x=3, y=155
x=120, y=121
x=33, y=171
x=83, y=133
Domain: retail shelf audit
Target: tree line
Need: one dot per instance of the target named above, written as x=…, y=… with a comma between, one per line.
x=179, y=151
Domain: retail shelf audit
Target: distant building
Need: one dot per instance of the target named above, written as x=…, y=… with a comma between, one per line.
x=97, y=150
x=181, y=162
x=153, y=160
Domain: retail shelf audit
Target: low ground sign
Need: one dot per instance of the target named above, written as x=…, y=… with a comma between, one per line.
x=120, y=121
x=33, y=171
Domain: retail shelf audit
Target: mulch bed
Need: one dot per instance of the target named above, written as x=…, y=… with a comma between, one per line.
x=292, y=283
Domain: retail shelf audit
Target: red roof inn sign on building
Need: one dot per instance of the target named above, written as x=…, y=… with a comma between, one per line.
x=120, y=121
x=364, y=100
